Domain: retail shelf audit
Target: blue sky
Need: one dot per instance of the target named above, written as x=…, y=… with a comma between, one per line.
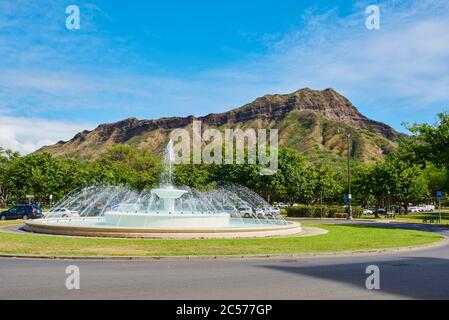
x=149, y=59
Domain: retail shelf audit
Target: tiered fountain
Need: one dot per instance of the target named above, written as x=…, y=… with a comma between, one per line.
x=168, y=215
x=165, y=212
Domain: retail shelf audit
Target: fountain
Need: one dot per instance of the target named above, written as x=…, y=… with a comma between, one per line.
x=165, y=212
x=167, y=215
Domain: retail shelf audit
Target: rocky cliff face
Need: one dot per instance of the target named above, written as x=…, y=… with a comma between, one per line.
x=308, y=120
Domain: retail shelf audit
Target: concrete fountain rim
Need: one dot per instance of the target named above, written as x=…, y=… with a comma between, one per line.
x=44, y=226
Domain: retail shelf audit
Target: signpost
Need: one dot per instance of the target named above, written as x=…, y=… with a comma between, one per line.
x=439, y=197
x=30, y=197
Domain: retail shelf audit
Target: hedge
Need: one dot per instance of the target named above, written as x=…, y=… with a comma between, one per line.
x=322, y=211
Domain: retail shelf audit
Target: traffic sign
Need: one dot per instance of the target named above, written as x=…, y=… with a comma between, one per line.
x=439, y=195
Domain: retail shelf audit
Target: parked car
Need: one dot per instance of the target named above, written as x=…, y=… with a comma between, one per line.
x=24, y=212
x=229, y=209
x=282, y=205
x=275, y=210
x=62, y=213
x=367, y=212
x=426, y=208
x=413, y=209
x=381, y=211
x=260, y=213
x=246, y=211
x=125, y=207
x=399, y=210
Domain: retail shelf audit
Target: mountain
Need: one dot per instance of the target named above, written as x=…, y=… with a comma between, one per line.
x=310, y=121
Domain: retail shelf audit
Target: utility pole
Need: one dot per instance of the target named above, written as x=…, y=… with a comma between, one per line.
x=439, y=197
x=321, y=203
x=348, y=136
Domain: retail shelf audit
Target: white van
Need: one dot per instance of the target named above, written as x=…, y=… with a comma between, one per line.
x=427, y=208
x=413, y=209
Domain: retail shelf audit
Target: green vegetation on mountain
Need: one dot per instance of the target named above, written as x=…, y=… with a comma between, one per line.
x=309, y=121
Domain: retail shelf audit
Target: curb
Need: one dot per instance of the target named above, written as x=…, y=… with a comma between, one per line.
x=291, y=257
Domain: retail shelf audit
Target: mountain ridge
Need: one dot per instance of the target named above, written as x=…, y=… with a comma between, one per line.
x=318, y=115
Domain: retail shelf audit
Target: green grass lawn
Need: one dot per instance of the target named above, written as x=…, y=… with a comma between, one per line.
x=10, y=222
x=339, y=238
x=414, y=217
x=418, y=218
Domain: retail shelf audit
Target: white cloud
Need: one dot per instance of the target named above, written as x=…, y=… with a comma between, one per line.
x=27, y=134
x=408, y=58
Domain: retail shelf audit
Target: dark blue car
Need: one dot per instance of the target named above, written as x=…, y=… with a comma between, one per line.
x=24, y=212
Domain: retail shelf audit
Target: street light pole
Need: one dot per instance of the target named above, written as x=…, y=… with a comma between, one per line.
x=321, y=203
x=348, y=136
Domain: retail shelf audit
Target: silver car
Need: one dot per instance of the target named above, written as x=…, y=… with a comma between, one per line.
x=62, y=213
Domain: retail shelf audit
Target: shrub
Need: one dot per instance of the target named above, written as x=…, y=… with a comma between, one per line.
x=299, y=211
x=357, y=212
x=307, y=211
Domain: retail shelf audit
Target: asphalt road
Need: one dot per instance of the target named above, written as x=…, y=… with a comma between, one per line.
x=412, y=275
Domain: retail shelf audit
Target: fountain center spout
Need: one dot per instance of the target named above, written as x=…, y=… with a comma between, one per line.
x=168, y=196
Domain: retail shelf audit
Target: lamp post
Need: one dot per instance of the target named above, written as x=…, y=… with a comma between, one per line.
x=348, y=137
x=321, y=203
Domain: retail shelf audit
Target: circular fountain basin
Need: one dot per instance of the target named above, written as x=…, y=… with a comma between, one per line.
x=176, y=220
x=97, y=227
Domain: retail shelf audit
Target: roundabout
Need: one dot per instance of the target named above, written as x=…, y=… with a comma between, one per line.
x=317, y=238
x=296, y=274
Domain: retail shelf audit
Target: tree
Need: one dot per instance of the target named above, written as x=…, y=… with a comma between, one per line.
x=327, y=182
x=125, y=165
x=42, y=174
x=382, y=178
x=430, y=142
x=437, y=178
x=6, y=157
x=194, y=176
x=412, y=186
x=294, y=179
x=363, y=184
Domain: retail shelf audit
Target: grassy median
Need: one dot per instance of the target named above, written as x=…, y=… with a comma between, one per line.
x=339, y=238
x=414, y=218
x=9, y=222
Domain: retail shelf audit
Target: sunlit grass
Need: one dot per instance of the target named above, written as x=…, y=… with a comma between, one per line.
x=339, y=238
x=10, y=222
x=413, y=217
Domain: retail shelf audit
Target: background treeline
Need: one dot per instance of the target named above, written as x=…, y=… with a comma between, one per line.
x=412, y=174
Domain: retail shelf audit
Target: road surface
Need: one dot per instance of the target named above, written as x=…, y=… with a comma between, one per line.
x=411, y=275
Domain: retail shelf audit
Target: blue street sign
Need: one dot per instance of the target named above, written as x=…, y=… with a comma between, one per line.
x=439, y=195
x=347, y=200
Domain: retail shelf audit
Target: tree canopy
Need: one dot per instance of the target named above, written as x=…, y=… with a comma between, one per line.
x=411, y=174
